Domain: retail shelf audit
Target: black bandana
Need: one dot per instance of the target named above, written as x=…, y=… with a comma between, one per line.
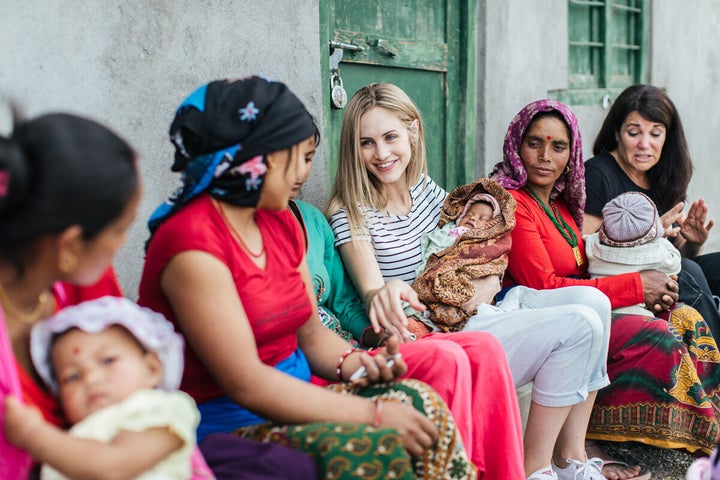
x=222, y=133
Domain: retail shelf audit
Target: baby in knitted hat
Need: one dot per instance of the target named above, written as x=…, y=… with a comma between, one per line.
x=116, y=368
x=630, y=239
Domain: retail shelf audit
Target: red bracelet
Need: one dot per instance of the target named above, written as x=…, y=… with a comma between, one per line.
x=341, y=360
x=378, y=413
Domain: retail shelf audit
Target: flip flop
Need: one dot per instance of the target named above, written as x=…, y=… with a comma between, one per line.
x=610, y=463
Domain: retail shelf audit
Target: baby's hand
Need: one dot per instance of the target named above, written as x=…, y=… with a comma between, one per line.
x=21, y=423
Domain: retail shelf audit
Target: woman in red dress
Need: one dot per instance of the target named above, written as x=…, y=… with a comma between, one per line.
x=69, y=190
x=664, y=373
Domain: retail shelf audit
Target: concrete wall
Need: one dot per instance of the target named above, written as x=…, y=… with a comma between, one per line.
x=685, y=60
x=129, y=64
x=522, y=55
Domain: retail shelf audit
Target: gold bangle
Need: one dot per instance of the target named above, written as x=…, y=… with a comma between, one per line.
x=384, y=338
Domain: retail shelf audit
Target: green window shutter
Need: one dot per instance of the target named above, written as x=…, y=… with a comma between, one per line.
x=586, y=26
x=607, y=49
x=625, y=22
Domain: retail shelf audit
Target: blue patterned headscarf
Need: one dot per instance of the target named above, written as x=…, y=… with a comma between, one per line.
x=511, y=173
x=222, y=133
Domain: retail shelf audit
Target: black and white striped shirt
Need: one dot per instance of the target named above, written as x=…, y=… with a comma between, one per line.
x=396, y=238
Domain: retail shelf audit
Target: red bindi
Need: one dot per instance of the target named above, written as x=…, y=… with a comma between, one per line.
x=549, y=137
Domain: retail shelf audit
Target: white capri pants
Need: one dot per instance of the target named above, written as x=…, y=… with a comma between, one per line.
x=557, y=339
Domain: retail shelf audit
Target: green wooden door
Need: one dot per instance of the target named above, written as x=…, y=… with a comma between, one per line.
x=427, y=48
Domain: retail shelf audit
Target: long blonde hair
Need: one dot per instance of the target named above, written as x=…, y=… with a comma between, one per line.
x=354, y=187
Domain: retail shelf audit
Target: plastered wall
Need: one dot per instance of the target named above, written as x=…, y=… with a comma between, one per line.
x=129, y=64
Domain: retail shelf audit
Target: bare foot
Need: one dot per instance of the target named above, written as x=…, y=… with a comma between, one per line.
x=614, y=469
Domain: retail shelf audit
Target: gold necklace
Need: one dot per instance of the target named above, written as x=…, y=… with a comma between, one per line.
x=237, y=236
x=565, y=230
x=16, y=313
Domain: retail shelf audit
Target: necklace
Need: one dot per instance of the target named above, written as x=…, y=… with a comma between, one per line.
x=16, y=313
x=237, y=236
x=404, y=207
x=565, y=230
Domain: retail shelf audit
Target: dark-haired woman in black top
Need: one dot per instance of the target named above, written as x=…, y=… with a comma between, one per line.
x=641, y=147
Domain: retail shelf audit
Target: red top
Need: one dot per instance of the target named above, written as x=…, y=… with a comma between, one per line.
x=541, y=258
x=275, y=299
x=65, y=295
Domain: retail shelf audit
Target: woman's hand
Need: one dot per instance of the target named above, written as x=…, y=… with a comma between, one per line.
x=693, y=227
x=672, y=216
x=661, y=291
x=417, y=431
x=385, y=308
x=377, y=368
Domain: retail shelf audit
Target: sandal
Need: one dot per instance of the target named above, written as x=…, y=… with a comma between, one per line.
x=612, y=465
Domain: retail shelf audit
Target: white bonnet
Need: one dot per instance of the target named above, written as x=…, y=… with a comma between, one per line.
x=151, y=329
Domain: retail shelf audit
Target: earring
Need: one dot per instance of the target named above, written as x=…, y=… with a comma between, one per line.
x=68, y=264
x=566, y=170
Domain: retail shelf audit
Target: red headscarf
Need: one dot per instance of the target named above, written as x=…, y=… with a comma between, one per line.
x=511, y=173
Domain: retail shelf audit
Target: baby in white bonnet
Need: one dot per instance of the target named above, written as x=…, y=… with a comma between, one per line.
x=116, y=368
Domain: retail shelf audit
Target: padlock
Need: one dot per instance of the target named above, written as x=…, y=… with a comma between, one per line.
x=337, y=92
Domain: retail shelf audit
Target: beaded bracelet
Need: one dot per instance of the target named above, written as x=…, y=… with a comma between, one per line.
x=341, y=360
x=378, y=413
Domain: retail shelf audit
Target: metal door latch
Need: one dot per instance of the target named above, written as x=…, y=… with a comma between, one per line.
x=338, y=95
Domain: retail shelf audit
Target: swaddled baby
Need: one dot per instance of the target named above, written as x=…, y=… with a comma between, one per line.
x=465, y=258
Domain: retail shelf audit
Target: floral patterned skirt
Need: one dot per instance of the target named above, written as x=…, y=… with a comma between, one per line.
x=665, y=383
x=359, y=451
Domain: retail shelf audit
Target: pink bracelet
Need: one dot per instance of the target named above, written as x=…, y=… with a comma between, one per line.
x=378, y=413
x=341, y=360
